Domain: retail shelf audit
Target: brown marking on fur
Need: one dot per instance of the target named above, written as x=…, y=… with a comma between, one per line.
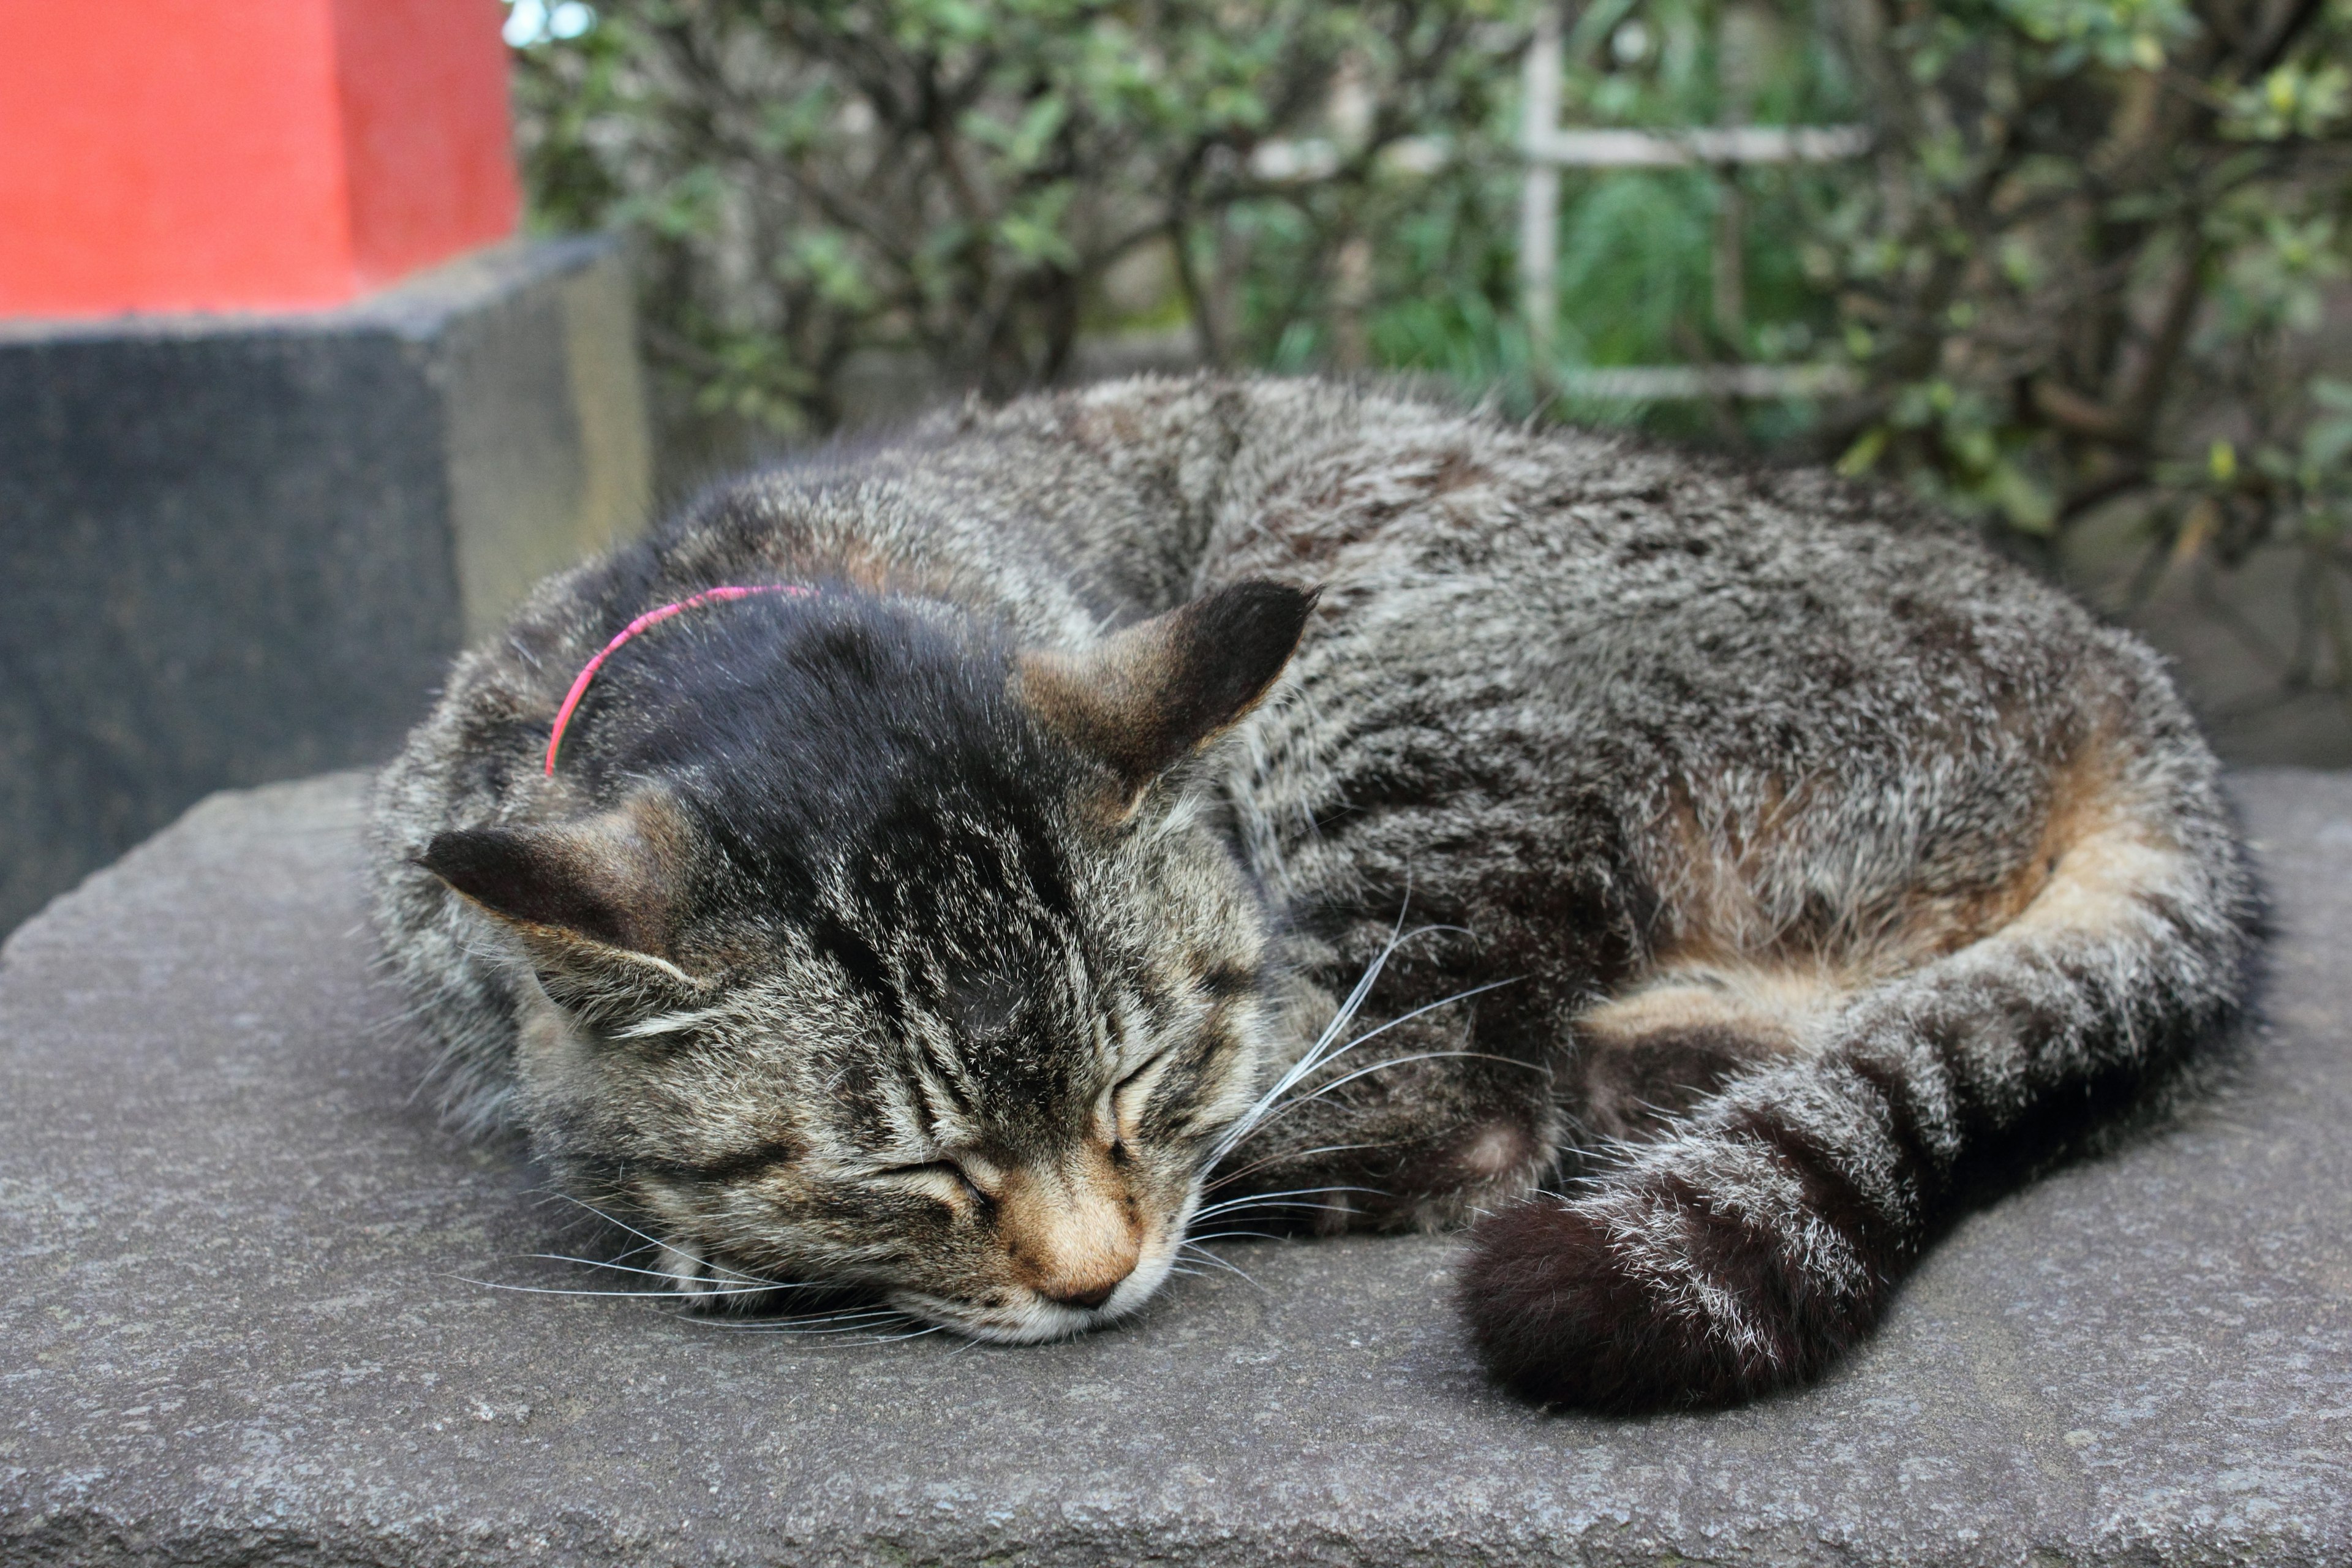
x=864, y=565
x=1114, y=429
x=1318, y=527
x=1708, y=882
x=1456, y=472
x=1653, y=1053
x=2097, y=856
x=1925, y=926
x=2083, y=809
x=1714, y=920
x=2086, y=815
x=1499, y=1151
x=1726, y=992
x=1765, y=1000
x=1073, y=1234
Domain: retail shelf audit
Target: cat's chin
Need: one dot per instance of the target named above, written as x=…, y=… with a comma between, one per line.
x=1042, y=1322
x=1038, y=1320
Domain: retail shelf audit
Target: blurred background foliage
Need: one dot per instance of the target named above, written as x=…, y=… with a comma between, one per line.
x=2087, y=285
x=981, y=185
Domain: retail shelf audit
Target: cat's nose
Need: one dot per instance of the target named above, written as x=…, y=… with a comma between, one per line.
x=1089, y=1298
x=1072, y=1234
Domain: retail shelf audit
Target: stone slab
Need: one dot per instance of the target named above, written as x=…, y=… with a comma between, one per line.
x=237, y=1323
x=237, y=548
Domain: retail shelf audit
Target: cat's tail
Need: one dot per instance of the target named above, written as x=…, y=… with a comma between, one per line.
x=1751, y=1247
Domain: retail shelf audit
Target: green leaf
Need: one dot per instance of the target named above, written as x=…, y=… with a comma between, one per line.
x=2029, y=505
x=1863, y=455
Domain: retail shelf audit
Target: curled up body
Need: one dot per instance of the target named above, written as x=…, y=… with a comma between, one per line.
x=972, y=868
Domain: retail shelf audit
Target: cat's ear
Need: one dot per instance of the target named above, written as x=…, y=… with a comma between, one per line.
x=596, y=902
x=1146, y=698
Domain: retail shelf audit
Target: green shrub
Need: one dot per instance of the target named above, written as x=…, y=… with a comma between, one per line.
x=2080, y=270
x=2088, y=252
x=971, y=181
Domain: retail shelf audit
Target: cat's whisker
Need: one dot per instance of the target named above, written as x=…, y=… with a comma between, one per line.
x=618, y=1295
x=1322, y=1090
x=735, y=1276
x=1269, y=1210
x=665, y=1274
x=1206, y=1256
x=1289, y=1105
x=1323, y=1047
x=669, y=1023
x=789, y=1330
x=1226, y=1266
x=1355, y=998
x=1320, y=1056
x=1268, y=1200
x=1378, y=1030
x=845, y=1320
x=919, y=1333
x=1285, y=1158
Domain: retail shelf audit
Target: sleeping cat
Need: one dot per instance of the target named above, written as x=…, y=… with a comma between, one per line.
x=1690, y=878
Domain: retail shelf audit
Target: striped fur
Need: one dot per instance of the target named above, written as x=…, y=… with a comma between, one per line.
x=1745, y=1248
x=1700, y=877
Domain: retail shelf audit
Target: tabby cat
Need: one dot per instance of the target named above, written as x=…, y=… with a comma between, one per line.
x=1692, y=878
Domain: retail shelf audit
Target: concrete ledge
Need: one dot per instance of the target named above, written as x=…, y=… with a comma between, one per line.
x=233, y=1329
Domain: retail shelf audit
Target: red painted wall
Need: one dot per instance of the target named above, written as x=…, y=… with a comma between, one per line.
x=254, y=154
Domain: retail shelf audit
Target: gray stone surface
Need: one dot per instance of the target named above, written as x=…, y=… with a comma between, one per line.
x=235, y=1324
x=242, y=548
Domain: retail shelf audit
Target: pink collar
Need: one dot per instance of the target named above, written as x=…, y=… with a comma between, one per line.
x=650, y=618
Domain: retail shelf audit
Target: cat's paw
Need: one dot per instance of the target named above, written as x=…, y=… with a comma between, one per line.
x=1565, y=1306
x=690, y=1275
x=1442, y=1180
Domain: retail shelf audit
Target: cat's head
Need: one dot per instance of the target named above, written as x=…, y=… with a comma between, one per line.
x=860, y=947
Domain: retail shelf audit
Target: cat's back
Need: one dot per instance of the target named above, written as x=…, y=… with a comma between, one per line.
x=1630, y=592
x=1554, y=660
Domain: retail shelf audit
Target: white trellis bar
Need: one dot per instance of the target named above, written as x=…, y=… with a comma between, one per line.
x=1659, y=382
x=1549, y=147
x=1297, y=160
x=1701, y=144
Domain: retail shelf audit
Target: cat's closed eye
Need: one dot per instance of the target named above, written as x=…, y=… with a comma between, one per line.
x=1123, y=1100
x=944, y=1178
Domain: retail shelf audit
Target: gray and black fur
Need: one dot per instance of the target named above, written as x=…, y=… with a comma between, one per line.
x=1753, y=860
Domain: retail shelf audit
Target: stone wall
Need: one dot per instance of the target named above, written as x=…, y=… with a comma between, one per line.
x=242, y=548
